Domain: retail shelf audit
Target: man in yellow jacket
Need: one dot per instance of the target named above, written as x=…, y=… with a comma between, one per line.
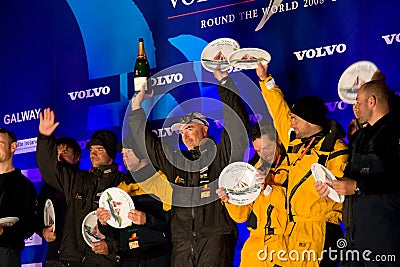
x=313, y=222
x=266, y=239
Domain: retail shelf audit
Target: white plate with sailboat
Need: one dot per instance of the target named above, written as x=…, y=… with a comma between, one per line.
x=239, y=181
x=247, y=58
x=352, y=78
x=216, y=53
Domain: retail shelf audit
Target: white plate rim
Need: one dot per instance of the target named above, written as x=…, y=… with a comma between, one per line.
x=83, y=230
x=208, y=47
x=367, y=63
x=49, y=207
x=332, y=193
x=252, y=65
x=8, y=221
x=236, y=200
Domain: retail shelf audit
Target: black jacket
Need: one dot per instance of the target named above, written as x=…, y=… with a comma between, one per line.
x=198, y=212
x=141, y=242
x=82, y=190
x=372, y=217
x=60, y=207
x=17, y=199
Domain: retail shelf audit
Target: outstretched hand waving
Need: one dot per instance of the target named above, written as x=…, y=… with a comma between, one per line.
x=46, y=122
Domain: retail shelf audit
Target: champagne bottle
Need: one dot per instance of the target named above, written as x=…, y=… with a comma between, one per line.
x=142, y=69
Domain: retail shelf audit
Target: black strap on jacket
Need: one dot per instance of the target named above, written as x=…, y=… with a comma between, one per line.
x=302, y=180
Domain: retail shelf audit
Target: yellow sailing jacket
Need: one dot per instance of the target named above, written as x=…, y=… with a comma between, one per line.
x=307, y=226
x=157, y=185
x=271, y=223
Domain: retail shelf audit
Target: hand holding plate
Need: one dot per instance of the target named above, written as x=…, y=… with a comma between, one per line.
x=262, y=71
x=345, y=186
x=260, y=179
x=222, y=194
x=138, y=217
x=322, y=189
x=103, y=215
x=48, y=234
x=100, y=247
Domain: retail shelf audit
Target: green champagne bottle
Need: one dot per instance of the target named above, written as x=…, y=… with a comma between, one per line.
x=142, y=69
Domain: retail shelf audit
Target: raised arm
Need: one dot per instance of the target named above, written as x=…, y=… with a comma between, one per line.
x=236, y=118
x=276, y=104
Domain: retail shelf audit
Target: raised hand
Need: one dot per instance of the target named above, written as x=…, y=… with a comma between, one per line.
x=46, y=122
x=218, y=74
x=262, y=71
x=138, y=97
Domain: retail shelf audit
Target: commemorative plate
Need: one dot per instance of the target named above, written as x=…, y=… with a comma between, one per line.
x=247, y=58
x=216, y=54
x=352, y=78
x=49, y=216
x=119, y=203
x=8, y=221
x=90, y=230
x=239, y=181
x=324, y=175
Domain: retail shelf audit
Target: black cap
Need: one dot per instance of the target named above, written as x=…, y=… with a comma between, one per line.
x=311, y=109
x=107, y=139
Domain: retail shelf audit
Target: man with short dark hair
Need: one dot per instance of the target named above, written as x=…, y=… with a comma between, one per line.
x=147, y=241
x=17, y=203
x=266, y=216
x=82, y=191
x=313, y=222
x=372, y=184
x=68, y=153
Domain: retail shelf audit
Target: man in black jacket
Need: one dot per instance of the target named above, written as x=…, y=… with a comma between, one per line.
x=372, y=207
x=147, y=242
x=82, y=190
x=203, y=234
x=17, y=204
x=68, y=152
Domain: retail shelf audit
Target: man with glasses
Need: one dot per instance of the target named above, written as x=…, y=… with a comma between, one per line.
x=203, y=234
x=17, y=203
x=82, y=190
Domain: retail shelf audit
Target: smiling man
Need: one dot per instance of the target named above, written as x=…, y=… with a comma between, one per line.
x=193, y=128
x=313, y=222
x=203, y=234
x=82, y=190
